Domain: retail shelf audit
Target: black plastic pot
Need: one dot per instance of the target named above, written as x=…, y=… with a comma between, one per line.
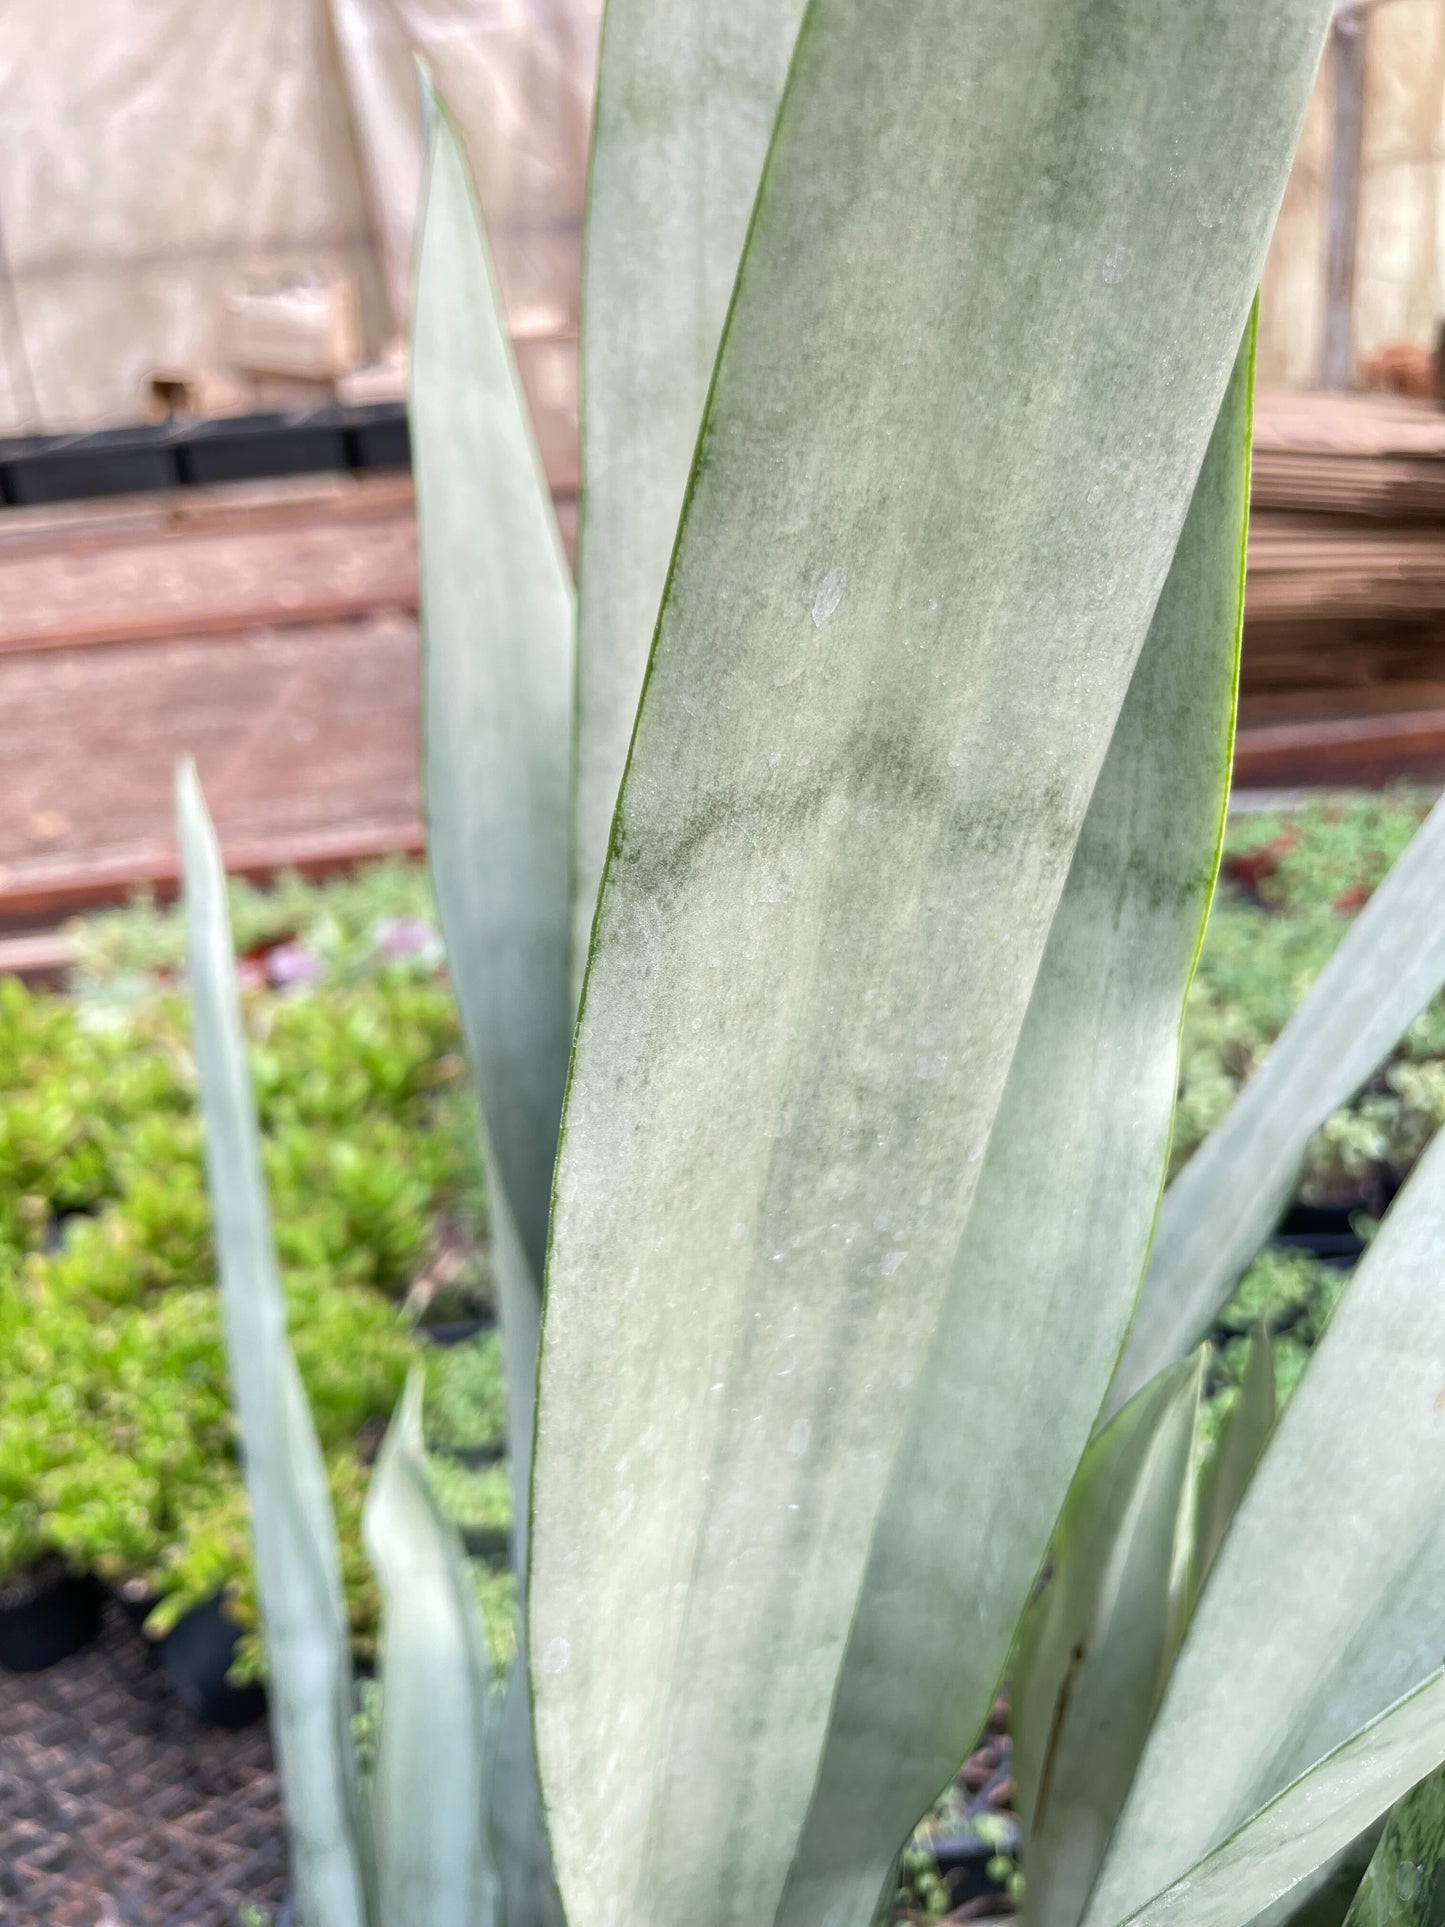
x=455, y=1331
x=249, y=448
x=196, y=1655
x=378, y=437
x=962, y=1861
x=1324, y=1230
x=113, y=461
x=54, y=1235
x=490, y=1453
x=1342, y=1251
x=486, y=1542
x=46, y=1615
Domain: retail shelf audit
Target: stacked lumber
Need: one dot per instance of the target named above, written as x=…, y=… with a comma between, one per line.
x=1343, y=676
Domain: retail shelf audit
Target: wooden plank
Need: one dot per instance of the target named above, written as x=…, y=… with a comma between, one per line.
x=61, y=889
x=1341, y=684
x=1392, y=487
x=144, y=587
x=1365, y=751
x=282, y=502
x=243, y=626
x=1311, y=422
x=321, y=557
x=306, y=739
x=1338, y=703
x=41, y=956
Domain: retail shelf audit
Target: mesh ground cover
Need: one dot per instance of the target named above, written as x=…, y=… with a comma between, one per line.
x=118, y=1810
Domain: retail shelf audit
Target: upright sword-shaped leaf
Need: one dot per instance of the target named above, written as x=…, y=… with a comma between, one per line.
x=1242, y=1439
x=1095, y=1646
x=437, y=1743
x=998, y=273
x=1045, y=1274
x=497, y=691
x=1219, y=1210
x=1323, y=1605
x=497, y=700
x=298, y=1582
x=686, y=98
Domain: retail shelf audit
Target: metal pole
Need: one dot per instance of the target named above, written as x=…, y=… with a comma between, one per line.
x=1342, y=191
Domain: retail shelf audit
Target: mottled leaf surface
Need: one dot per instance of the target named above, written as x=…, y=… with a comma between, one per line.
x=997, y=277
x=1044, y=1272
x=686, y=97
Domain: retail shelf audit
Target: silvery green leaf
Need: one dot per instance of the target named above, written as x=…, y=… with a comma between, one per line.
x=911, y=1693
x=1242, y=1438
x=1311, y=1820
x=686, y=97
x=436, y=1745
x=1323, y=1605
x=497, y=701
x=1324, y=1898
x=497, y=694
x=303, y=1618
x=1095, y=1646
x=1219, y=1210
x=519, y=1836
x=995, y=284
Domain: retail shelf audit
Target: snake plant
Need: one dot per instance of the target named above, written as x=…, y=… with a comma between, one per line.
x=821, y=895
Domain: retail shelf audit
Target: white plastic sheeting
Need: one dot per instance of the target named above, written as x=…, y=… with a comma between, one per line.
x=154, y=151
x=1397, y=289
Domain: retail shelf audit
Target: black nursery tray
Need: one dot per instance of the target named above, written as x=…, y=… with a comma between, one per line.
x=1326, y=1231
x=249, y=448
x=378, y=437
x=116, y=461
x=38, y=469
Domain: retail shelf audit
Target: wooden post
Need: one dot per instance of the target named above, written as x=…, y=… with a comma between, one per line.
x=1342, y=191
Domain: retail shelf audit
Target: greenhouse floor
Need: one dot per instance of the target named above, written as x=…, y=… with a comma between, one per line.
x=118, y=1810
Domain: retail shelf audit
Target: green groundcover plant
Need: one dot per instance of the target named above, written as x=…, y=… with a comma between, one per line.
x=821, y=908
x=117, y=1445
